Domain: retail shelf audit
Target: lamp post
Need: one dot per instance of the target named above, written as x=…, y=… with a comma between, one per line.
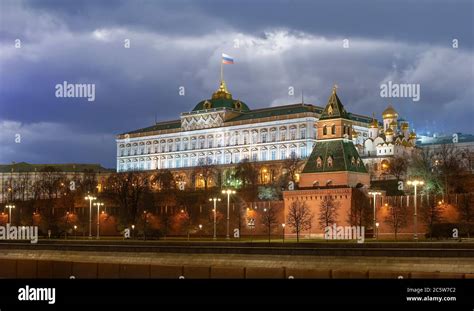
x=133, y=231
x=10, y=206
x=200, y=232
x=215, y=212
x=228, y=192
x=377, y=226
x=90, y=199
x=415, y=183
x=98, y=204
x=75, y=228
x=283, y=226
x=67, y=225
x=375, y=194
x=145, y=221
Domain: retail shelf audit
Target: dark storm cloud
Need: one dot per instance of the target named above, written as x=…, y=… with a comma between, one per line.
x=175, y=43
x=429, y=21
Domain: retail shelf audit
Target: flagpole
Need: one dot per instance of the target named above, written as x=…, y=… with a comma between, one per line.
x=222, y=70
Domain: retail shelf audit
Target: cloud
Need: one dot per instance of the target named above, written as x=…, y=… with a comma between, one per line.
x=47, y=142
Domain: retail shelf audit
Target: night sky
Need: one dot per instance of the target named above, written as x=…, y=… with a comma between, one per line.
x=173, y=44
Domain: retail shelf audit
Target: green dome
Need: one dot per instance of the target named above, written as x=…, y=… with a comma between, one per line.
x=221, y=98
x=221, y=103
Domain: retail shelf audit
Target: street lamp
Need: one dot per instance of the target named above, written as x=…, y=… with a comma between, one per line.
x=98, y=204
x=228, y=192
x=90, y=199
x=10, y=206
x=283, y=226
x=415, y=183
x=133, y=231
x=67, y=225
x=377, y=226
x=75, y=228
x=215, y=212
x=375, y=194
x=200, y=232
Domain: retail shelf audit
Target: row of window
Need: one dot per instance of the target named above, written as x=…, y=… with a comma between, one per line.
x=200, y=143
x=346, y=129
x=228, y=158
x=330, y=161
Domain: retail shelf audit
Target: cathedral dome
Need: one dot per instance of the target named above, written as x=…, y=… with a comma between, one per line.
x=374, y=124
x=389, y=131
x=389, y=113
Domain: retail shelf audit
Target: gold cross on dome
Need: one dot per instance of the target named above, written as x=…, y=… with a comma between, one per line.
x=334, y=88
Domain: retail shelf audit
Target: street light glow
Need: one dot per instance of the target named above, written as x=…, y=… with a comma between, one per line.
x=415, y=183
x=90, y=199
x=228, y=192
x=215, y=200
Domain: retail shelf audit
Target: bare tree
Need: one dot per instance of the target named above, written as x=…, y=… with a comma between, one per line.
x=360, y=212
x=421, y=166
x=165, y=179
x=431, y=212
x=269, y=220
x=397, y=217
x=299, y=218
x=127, y=190
x=466, y=211
x=292, y=166
x=328, y=211
x=247, y=173
x=447, y=161
x=397, y=167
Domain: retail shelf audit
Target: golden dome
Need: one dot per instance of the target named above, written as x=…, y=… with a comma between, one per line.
x=394, y=123
x=374, y=124
x=222, y=92
x=389, y=131
x=412, y=135
x=389, y=113
x=404, y=126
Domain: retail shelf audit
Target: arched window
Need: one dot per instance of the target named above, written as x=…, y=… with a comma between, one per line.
x=319, y=162
x=325, y=130
x=333, y=129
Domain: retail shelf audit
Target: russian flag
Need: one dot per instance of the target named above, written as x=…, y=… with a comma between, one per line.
x=226, y=59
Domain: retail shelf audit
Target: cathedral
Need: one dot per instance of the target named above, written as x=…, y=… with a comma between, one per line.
x=390, y=139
